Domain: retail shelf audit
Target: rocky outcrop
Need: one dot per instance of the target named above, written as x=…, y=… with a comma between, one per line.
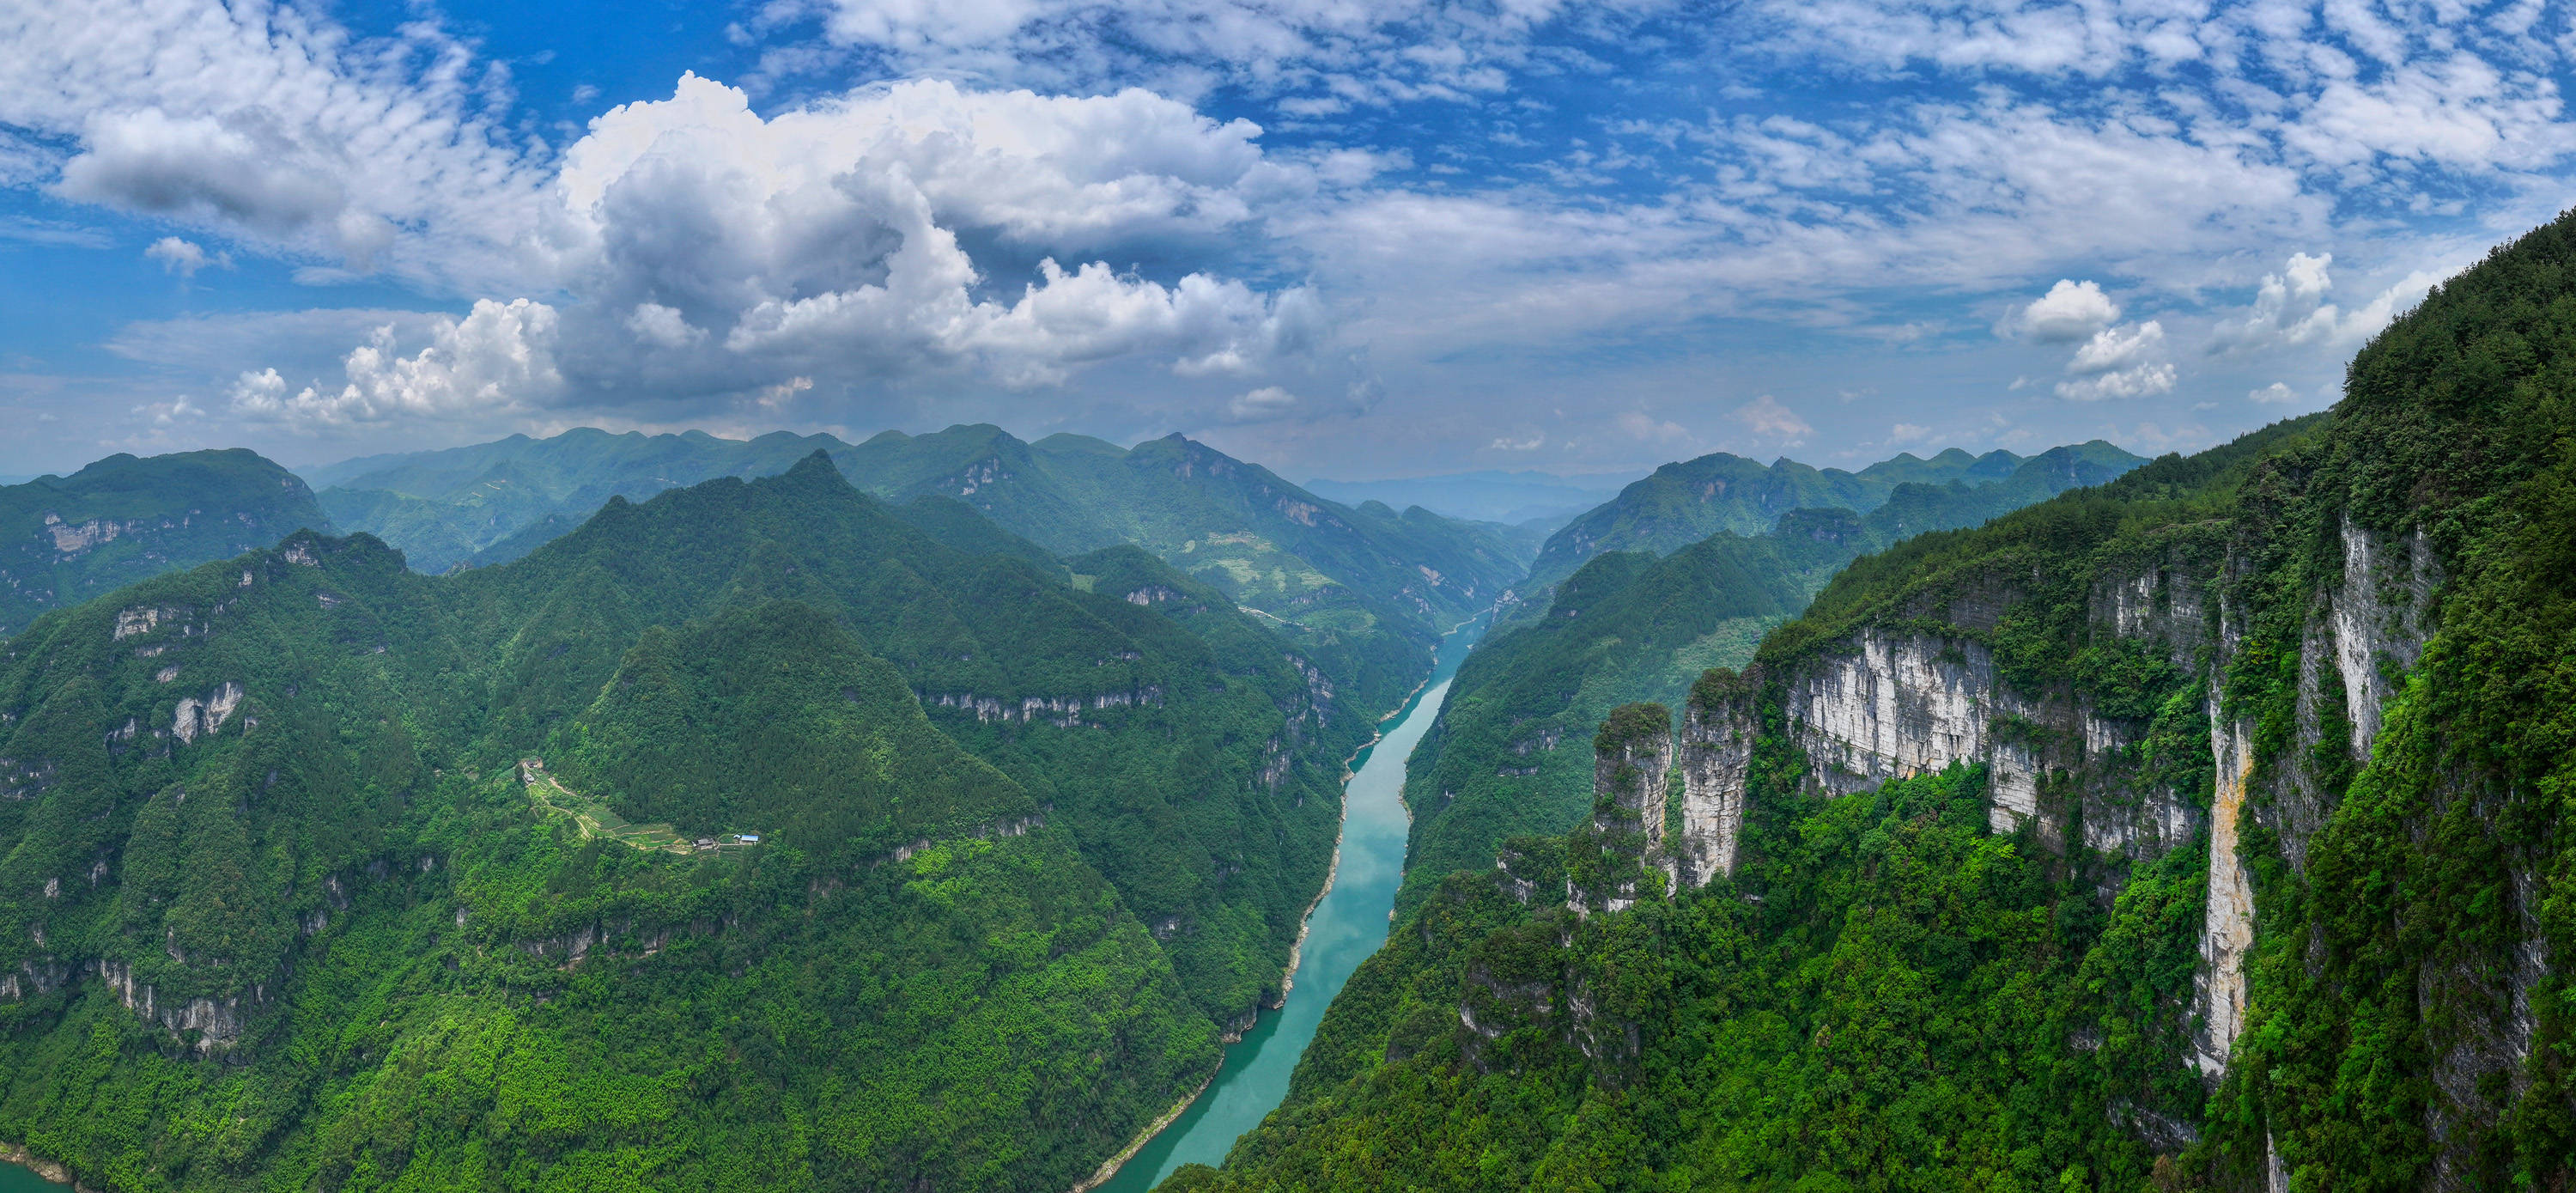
x=2227, y=925
x=209, y=1025
x=1061, y=711
x=1631, y=758
x=1718, y=732
x=2382, y=615
x=198, y=717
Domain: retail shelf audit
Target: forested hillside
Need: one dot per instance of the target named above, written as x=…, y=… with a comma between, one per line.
x=1364, y=591
x=1632, y=627
x=745, y=837
x=1366, y=587
x=494, y=502
x=2203, y=830
x=66, y=539
x=1684, y=502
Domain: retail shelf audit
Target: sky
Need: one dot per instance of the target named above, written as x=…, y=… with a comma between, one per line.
x=1344, y=238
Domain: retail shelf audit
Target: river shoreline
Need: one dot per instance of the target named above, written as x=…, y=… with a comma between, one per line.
x=1296, y=951
x=45, y=1169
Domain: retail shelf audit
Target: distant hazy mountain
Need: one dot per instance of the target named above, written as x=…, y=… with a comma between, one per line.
x=1363, y=588
x=1684, y=502
x=1512, y=498
x=64, y=540
x=444, y=508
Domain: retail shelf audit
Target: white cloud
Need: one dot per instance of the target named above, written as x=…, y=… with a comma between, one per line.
x=273, y=127
x=2120, y=362
x=2290, y=309
x=2071, y=310
x=184, y=257
x=2274, y=394
x=2136, y=381
x=499, y=358
x=2117, y=347
x=1327, y=54
x=1765, y=416
x=1269, y=401
x=1908, y=433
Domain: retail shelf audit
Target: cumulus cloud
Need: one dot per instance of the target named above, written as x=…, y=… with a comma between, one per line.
x=1269, y=401
x=2136, y=381
x=828, y=241
x=2120, y=362
x=184, y=257
x=2291, y=309
x=1765, y=416
x=2071, y=310
x=499, y=358
x=2274, y=394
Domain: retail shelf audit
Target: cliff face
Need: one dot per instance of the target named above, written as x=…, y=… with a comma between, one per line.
x=64, y=540
x=1922, y=690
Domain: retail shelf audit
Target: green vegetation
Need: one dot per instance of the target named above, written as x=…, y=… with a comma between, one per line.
x=281, y=909
x=1889, y=995
x=1893, y=1013
x=64, y=540
x=493, y=502
x=1628, y=626
x=1365, y=591
x=1684, y=502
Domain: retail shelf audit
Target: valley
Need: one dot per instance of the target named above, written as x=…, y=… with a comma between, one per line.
x=956, y=811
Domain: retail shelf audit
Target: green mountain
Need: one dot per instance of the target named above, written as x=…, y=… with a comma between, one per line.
x=751, y=836
x=480, y=504
x=1630, y=627
x=64, y=540
x=1685, y=502
x=2207, y=829
x=1363, y=590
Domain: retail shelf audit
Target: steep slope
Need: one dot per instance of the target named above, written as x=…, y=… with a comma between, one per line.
x=493, y=502
x=1369, y=588
x=1629, y=627
x=1367, y=585
x=1682, y=503
x=399, y=878
x=64, y=540
x=2202, y=830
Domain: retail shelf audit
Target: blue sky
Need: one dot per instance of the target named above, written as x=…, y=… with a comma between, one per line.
x=1343, y=238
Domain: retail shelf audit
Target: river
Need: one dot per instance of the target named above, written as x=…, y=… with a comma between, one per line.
x=1348, y=925
x=1345, y=928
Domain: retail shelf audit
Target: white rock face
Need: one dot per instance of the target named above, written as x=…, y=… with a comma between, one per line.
x=2382, y=612
x=195, y=718
x=1910, y=703
x=1717, y=751
x=2227, y=929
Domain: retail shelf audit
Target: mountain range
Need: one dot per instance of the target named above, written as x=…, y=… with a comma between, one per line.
x=929, y=812
x=64, y=540
x=2205, y=829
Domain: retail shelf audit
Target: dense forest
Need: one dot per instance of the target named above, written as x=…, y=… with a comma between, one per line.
x=2203, y=829
x=1364, y=590
x=68, y=539
x=1631, y=626
x=1689, y=500
x=751, y=835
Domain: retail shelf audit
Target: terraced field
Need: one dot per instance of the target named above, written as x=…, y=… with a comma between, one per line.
x=594, y=819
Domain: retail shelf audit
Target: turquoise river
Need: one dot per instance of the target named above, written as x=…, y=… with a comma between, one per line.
x=1345, y=927
x=1348, y=925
